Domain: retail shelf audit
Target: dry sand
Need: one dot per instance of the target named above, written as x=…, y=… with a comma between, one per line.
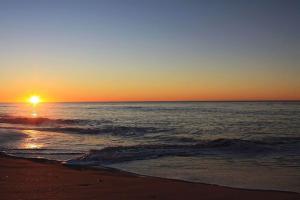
x=28, y=179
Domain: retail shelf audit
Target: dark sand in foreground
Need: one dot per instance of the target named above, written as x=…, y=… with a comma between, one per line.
x=26, y=179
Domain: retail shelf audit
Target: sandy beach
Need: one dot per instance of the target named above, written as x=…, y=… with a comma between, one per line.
x=38, y=179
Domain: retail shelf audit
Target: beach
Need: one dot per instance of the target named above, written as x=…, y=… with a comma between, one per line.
x=238, y=145
x=149, y=100
x=41, y=179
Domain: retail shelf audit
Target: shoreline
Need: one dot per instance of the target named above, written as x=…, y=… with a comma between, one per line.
x=34, y=178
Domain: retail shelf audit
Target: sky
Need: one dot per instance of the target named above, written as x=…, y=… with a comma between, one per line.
x=149, y=50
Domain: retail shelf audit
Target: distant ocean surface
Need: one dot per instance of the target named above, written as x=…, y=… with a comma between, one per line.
x=240, y=144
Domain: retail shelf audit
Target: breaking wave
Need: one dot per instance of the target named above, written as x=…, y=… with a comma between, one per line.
x=116, y=130
x=77, y=126
x=37, y=121
x=119, y=154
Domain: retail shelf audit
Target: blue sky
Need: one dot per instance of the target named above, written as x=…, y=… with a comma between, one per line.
x=148, y=50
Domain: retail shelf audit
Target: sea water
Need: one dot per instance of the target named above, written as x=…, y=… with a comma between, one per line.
x=252, y=145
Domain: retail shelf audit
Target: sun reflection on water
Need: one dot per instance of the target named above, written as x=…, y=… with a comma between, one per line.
x=32, y=140
x=32, y=146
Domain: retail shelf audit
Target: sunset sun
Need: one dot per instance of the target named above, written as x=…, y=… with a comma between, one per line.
x=34, y=100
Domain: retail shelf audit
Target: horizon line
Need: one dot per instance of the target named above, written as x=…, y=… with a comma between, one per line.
x=164, y=101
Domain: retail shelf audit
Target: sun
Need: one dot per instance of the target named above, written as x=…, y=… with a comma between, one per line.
x=34, y=100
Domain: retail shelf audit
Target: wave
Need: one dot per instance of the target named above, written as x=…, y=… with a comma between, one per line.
x=76, y=126
x=47, y=121
x=45, y=153
x=116, y=130
x=119, y=154
x=57, y=154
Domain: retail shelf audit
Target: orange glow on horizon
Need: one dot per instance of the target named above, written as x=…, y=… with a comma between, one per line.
x=170, y=93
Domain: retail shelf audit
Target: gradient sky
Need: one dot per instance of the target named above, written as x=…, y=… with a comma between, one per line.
x=150, y=50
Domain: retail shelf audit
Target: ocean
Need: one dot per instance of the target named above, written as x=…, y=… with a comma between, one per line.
x=253, y=145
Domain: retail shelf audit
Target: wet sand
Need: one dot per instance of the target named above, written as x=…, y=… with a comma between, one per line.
x=38, y=179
